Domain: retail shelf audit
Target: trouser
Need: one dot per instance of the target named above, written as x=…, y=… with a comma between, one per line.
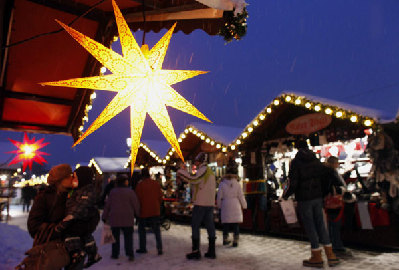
x=202, y=214
x=155, y=224
x=334, y=230
x=234, y=226
x=26, y=205
x=128, y=237
x=311, y=213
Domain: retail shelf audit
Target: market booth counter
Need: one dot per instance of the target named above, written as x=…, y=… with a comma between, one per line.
x=332, y=129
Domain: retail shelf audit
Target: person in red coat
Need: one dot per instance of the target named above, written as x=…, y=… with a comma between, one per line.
x=150, y=197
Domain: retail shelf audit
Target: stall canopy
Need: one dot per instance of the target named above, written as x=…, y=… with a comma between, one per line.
x=209, y=138
x=151, y=153
x=347, y=121
x=109, y=165
x=34, y=50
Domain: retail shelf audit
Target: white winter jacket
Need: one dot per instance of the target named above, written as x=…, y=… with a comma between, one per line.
x=231, y=200
x=203, y=184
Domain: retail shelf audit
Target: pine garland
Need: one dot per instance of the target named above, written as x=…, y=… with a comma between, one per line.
x=235, y=27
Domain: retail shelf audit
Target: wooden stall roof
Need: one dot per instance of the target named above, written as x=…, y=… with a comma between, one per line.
x=25, y=105
x=271, y=122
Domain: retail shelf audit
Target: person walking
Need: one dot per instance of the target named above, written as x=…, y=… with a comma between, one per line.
x=150, y=197
x=120, y=209
x=231, y=201
x=28, y=193
x=204, y=192
x=306, y=176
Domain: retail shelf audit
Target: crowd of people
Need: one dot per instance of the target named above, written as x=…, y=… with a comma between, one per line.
x=69, y=204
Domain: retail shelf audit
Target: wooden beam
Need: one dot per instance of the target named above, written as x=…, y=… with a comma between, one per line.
x=138, y=11
x=34, y=97
x=74, y=8
x=31, y=127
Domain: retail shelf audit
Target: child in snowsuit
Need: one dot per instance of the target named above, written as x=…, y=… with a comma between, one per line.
x=81, y=207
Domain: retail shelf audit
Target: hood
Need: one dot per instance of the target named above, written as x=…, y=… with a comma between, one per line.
x=305, y=155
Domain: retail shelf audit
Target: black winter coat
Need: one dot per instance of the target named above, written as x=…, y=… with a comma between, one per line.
x=308, y=177
x=50, y=207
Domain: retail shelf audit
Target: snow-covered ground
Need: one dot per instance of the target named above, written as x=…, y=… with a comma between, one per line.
x=254, y=252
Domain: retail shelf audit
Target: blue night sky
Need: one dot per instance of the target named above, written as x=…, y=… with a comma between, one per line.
x=343, y=50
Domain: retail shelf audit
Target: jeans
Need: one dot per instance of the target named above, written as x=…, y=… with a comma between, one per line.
x=228, y=226
x=334, y=230
x=311, y=213
x=128, y=237
x=155, y=224
x=202, y=214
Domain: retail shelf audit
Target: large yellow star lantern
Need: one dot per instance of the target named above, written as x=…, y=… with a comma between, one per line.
x=138, y=79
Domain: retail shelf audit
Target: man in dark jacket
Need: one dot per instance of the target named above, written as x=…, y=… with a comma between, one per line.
x=150, y=197
x=307, y=176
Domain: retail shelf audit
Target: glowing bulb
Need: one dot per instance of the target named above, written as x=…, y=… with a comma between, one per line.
x=103, y=70
x=186, y=131
x=93, y=95
x=307, y=105
x=212, y=142
x=368, y=122
x=256, y=123
x=287, y=98
x=353, y=118
x=183, y=136
x=224, y=149
x=238, y=142
x=338, y=114
x=317, y=108
x=233, y=147
x=244, y=135
x=262, y=117
x=269, y=110
x=250, y=129
x=298, y=101
x=276, y=102
x=328, y=111
x=179, y=140
x=207, y=140
x=218, y=146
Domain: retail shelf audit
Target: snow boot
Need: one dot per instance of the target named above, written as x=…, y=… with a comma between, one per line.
x=196, y=253
x=226, y=240
x=315, y=260
x=235, y=241
x=332, y=259
x=211, y=254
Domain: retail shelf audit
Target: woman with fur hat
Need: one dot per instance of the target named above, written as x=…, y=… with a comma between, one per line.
x=231, y=201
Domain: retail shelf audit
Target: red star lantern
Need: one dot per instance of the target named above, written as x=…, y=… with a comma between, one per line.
x=28, y=152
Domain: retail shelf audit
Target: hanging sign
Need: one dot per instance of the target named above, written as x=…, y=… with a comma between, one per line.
x=309, y=123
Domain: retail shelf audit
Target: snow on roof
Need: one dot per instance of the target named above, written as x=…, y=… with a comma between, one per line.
x=159, y=147
x=379, y=116
x=221, y=134
x=115, y=164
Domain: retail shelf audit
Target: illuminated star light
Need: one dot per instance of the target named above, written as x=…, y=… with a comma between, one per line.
x=140, y=82
x=28, y=152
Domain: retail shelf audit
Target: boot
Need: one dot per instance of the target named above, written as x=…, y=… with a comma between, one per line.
x=211, y=249
x=315, y=260
x=332, y=259
x=196, y=253
x=226, y=240
x=235, y=240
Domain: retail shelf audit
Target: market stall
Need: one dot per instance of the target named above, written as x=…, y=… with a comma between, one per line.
x=333, y=129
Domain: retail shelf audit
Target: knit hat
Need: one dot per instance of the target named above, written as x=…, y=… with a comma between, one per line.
x=85, y=176
x=201, y=157
x=231, y=167
x=58, y=173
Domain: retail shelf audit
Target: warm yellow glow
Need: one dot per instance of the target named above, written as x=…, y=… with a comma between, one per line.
x=256, y=123
x=307, y=105
x=317, y=108
x=338, y=114
x=268, y=110
x=288, y=98
x=250, y=129
x=218, y=146
x=262, y=117
x=238, y=142
x=233, y=147
x=328, y=111
x=244, y=135
x=298, y=101
x=353, y=118
x=276, y=102
x=368, y=123
x=138, y=79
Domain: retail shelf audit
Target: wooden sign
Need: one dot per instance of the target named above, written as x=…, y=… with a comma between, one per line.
x=309, y=123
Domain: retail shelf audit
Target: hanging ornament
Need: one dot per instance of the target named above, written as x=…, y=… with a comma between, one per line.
x=138, y=79
x=28, y=152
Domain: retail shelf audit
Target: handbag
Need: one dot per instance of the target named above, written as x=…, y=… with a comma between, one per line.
x=47, y=255
x=333, y=201
x=106, y=235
